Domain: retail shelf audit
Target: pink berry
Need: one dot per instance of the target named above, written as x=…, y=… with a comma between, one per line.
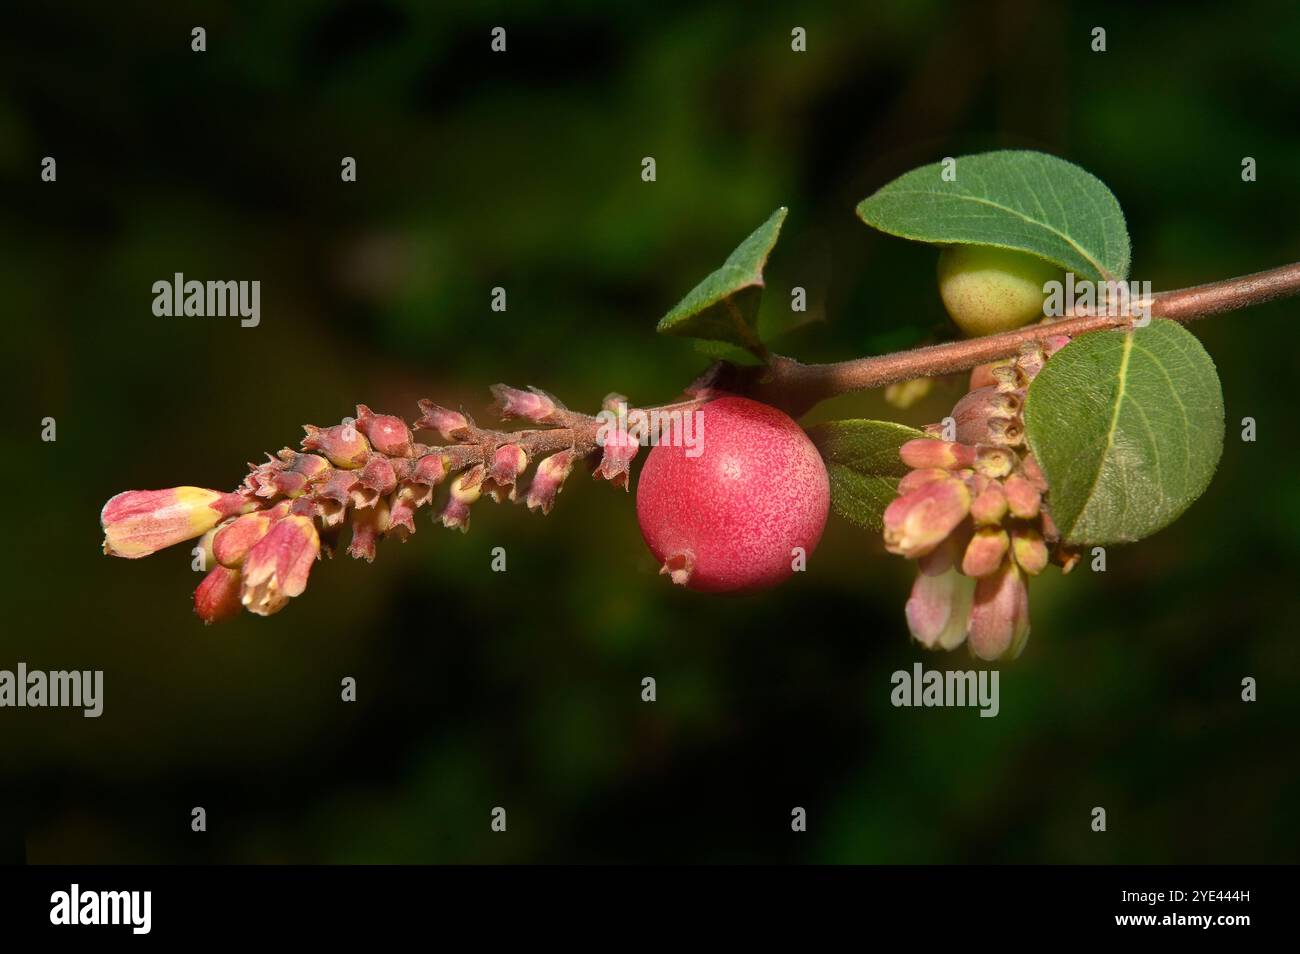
x=730, y=518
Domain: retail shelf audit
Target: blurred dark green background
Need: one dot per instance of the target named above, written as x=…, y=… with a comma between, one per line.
x=522, y=689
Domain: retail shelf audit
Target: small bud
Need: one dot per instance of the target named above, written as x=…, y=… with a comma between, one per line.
x=376, y=479
x=1006, y=378
x=973, y=411
x=989, y=506
x=915, y=479
x=431, y=469
x=982, y=375
x=386, y=433
x=532, y=405
x=1029, y=549
x=343, y=444
x=1023, y=499
x=508, y=462
x=941, y=599
x=465, y=490
x=999, y=616
x=917, y=522
x=927, y=452
x=616, y=460
x=993, y=462
x=367, y=527
x=451, y=425
x=312, y=466
x=217, y=597
x=140, y=522
x=233, y=541
x=548, y=480
x=334, y=495
x=277, y=567
x=1031, y=360
x=985, y=552
x=1033, y=473
x=1006, y=431
x=401, y=510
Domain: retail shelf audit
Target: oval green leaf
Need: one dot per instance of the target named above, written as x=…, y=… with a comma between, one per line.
x=724, y=306
x=1128, y=429
x=862, y=461
x=1027, y=201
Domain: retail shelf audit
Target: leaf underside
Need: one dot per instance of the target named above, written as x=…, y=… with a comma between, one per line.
x=1128, y=428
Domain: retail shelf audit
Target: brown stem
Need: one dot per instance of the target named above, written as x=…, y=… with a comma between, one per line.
x=797, y=387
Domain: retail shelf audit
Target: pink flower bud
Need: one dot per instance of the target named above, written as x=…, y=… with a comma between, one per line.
x=508, y=462
x=233, y=541
x=919, y=478
x=999, y=617
x=973, y=411
x=140, y=522
x=386, y=433
x=465, y=490
x=927, y=452
x=431, y=469
x=452, y=425
x=989, y=506
x=368, y=526
x=941, y=598
x=401, y=510
x=332, y=497
x=312, y=466
x=616, y=459
x=1029, y=549
x=985, y=552
x=1023, y=498
x=1033, y=473
x=217, y=597
x=277, y=567
x=343, y=444
x=548, y=480
x=533, y=405
x=377, y=477
x=919, y=521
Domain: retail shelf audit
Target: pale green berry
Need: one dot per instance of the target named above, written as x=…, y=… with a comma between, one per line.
x=987, y=290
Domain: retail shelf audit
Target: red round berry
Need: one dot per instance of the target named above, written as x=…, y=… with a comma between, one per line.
x=730, y=517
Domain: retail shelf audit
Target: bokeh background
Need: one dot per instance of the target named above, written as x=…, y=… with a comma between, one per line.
x=522, y=689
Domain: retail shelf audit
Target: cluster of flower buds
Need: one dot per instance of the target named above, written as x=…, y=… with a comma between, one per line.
x=368, y=474
x=972, y=513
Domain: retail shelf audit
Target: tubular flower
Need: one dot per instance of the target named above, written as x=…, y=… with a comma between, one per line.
x=974, y=513
x=140, y=522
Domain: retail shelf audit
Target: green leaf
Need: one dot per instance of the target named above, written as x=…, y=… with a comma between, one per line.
x=1028, y=201
x=862, y=461
x=724, y=306
x=1128, y=428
